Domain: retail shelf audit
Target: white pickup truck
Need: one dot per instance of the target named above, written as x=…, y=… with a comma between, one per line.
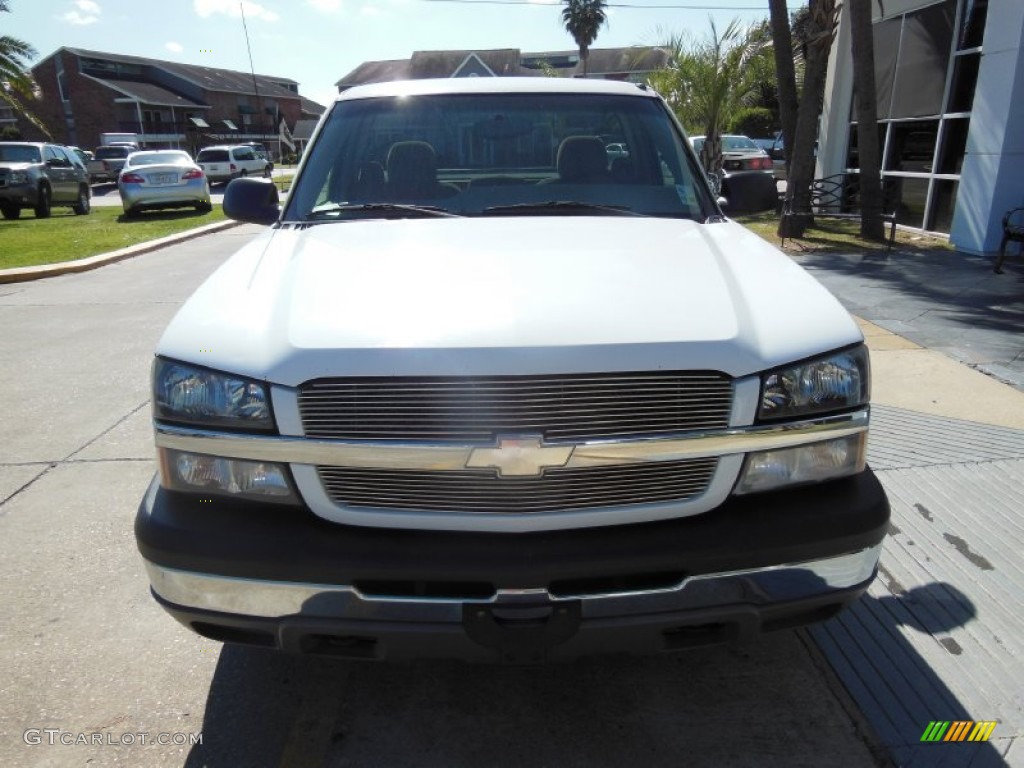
x=484, y=389
x=108, y=161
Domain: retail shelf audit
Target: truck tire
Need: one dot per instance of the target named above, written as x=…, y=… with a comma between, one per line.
x=42, y=207
x=9, y=210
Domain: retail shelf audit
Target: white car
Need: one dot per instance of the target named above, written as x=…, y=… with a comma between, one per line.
x=224, y=163
x=474, y=394
x=162, y=178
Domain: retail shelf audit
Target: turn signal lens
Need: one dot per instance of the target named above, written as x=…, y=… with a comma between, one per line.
x=825, y=460
x=198, y=473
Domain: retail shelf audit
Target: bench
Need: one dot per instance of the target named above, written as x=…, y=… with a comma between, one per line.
x=838, y=197
x=1013, y=229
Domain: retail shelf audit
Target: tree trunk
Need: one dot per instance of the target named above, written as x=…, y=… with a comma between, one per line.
x=821, y=31
x=785, y=73
x=862, y=42
x=711, y=151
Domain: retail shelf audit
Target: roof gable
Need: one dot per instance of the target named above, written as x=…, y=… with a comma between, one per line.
x=473, y=66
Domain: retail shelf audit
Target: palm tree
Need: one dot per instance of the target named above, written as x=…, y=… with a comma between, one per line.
x=782, y=45
x=583, y=19
x=821, y=29
x=708, y=81
x=16, y=84
x=870, y=176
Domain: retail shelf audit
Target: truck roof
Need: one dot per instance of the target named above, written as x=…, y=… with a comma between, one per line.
x=494, y=85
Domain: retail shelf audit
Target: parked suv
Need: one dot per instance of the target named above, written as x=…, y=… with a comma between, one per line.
x=482, y=391
x=38, y=176
x=231, y=162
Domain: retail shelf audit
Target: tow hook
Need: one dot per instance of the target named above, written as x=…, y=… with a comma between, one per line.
x=522, y=633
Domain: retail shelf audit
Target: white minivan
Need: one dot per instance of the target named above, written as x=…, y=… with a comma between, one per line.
x=227, y=162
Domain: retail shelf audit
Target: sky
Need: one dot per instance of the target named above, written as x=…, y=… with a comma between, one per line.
x=317, y=42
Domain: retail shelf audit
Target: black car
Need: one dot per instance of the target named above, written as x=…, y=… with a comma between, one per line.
x=39, y=176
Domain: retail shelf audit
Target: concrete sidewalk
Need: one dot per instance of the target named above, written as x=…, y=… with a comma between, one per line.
x=940, y=634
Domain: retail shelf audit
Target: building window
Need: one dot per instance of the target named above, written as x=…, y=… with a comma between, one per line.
x=972, y=24
x=926, y=72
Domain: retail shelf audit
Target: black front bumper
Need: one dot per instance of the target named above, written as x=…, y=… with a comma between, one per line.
x=553, y=594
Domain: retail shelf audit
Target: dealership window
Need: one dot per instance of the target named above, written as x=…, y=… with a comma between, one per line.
x=926, y=71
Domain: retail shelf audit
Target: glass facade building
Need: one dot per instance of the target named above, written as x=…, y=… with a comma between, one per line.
x=948, y=76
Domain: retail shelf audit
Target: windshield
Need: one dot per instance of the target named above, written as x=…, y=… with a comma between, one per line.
x=212, y=156
x=19, y=153
x=498, y=154
x=738, y=143
x=112, y=153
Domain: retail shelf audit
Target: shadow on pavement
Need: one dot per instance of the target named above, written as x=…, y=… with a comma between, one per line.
x=962, y=288
x=169, y=215
x=767, y=705
x=897, y=689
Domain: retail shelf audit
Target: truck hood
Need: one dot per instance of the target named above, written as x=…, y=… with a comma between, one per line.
x=516, y=295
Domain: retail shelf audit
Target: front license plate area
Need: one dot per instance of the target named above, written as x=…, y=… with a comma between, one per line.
x=522, y=634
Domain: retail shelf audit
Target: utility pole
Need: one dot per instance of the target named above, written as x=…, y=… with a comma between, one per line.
x=255, y=85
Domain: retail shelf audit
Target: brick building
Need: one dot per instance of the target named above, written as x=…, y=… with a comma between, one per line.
x=166, y=104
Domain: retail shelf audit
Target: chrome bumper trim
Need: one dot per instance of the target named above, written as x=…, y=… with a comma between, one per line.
x=275, y=599
x=439, y=456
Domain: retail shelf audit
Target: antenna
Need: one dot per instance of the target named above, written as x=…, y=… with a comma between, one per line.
x=255, y=87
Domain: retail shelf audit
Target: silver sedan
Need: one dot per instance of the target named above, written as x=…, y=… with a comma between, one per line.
x=166, y=178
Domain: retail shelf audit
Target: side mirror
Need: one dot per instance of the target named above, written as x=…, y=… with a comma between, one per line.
x=723, y=203
x=254, y=201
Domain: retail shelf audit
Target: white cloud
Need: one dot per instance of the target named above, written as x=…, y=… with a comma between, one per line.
x=370, y=10
x=207, y=8
x=325, y=6
x=174, y=47
x=85, y=12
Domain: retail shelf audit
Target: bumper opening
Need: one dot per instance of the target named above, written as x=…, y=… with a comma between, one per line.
x=339, y=646
x=226, y=634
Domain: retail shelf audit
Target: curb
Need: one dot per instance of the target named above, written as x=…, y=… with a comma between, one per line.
x=24, y=274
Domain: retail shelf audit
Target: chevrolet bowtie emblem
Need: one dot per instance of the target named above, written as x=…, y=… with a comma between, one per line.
x=520, y=457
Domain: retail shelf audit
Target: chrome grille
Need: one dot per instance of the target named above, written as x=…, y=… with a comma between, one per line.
x=559, y=408
x=485, y=492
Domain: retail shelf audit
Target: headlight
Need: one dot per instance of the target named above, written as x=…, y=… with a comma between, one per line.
x=832, y=383
x=17, y=177
x=197, y=473
x=193, y=395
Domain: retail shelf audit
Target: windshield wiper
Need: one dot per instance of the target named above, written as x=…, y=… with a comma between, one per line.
x=562, y=205
x=414, y=210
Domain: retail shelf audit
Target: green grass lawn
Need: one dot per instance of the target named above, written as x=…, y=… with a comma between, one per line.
x=28, y=241
x=835, y=236
x=284, y=182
